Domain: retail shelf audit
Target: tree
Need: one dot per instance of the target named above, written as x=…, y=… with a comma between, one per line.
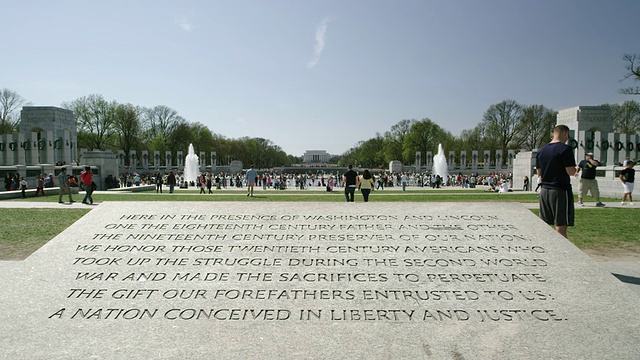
x=10, y=102
x=394, y=140
x=127, y=127
x=160, y=122
x=423, y=136
x=626, y=117
x=95, y=118
x=536, y=126
x=633, y=72
x=501, y=123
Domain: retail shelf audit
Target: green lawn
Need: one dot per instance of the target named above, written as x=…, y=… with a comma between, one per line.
x=25, y=230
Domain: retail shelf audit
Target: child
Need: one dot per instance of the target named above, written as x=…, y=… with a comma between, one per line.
x=627, y=176
x=39, y=185
x=23, y=186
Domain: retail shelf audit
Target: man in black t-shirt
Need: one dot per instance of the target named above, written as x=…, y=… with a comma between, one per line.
x=350, y=183
x=588, y=180
x=555, y=165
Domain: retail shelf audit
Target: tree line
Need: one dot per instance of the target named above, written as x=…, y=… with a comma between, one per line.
x=109, y=125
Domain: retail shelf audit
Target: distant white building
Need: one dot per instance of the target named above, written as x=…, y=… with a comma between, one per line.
x=316, y=156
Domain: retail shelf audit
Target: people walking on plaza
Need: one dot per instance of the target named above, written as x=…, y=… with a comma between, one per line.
x=158, y=183
x=555, y=164
x=209, y=182
x=349, y=181
x=23, y=187
x=63, y=183
x=525, y=187
x=7, y=182
x=588, y=182
x=627, y=176
x=39, y=185
x=403, y=181
x=202, y=183
x=171, y=181
x=86, y=178
x=365, y=184
x=251, y=176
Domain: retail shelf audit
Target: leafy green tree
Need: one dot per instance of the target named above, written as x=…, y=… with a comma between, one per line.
x=501, y=125
x=626, y=117
x=127, y=127
x=160, y=122
x=95, y=118
x=394, y=140
x=423, y=136
x=536, y=125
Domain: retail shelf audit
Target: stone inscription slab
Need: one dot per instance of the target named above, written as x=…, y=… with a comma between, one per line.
x=313, y=280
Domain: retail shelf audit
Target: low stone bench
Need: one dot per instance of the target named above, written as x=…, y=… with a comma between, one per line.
x=133, y=188
x=16, y=194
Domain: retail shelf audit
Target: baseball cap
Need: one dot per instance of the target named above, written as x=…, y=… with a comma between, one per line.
x=589, y=154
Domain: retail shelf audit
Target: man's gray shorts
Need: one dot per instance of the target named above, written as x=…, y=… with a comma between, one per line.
x=556, y=207
x=587, y=185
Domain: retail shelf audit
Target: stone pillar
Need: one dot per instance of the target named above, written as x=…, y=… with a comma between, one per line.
x=632, y=143
x=66, y=148
x=487, y=159
x=451, y=161
x=203, y=162
x=429, y=161
x=47, y=155
x=463, y=160
x=524, y=165
x=498, y=160
x=418, y=162
x=145, y=160
x=133, y=157
x=30, y=146
x=107, y=165
x=168, y=159
x=58, y=146
x=214, y=157
x=180, y=157
x=611, y=153
x=156, y=160
x=19, y=151
x=511, y=155
x=120, y=158
x=599, y=153
x=583, y=143
x=4, y=150
x=474, y=160
x=621, y=147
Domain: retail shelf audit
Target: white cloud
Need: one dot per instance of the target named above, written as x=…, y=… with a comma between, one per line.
x=184, y=23
x=321, y=31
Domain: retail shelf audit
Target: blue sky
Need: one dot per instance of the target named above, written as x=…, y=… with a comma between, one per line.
x=320, y=74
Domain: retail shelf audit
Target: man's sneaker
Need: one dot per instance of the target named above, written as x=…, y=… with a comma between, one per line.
x=60, y=202
x=599, y=204
x=623, y=203
x=631, y=203
x=580, y=203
